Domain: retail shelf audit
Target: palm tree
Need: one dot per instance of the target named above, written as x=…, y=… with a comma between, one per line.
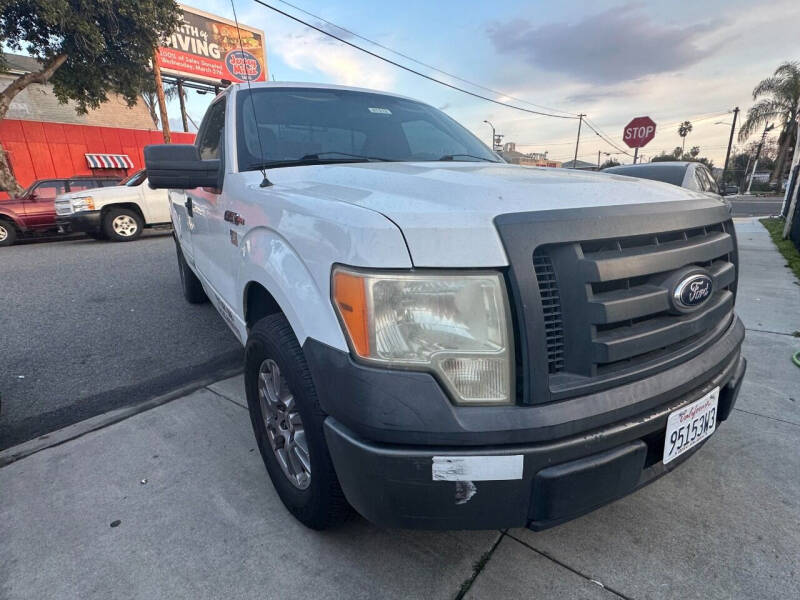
x=780, y=101
x=683, y=131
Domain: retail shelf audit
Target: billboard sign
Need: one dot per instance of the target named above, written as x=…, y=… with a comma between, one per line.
x=207, y=48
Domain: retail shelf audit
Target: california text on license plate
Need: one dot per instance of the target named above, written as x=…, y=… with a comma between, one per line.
x=690, y=425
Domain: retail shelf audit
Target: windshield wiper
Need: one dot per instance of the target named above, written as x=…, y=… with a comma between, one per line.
x=361, y=156
x=453, y=157
x=314, y=159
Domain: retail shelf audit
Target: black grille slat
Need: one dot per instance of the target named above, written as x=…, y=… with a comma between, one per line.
x=551, y=304
x=659, y=332
x=646, y=260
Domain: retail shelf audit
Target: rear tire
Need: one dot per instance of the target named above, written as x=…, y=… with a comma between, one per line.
x=122, y=225
x=308, y=487
x=8, y=234
x=193, y=290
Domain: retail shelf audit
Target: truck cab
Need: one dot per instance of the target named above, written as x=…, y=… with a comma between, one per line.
x=439, y=339
x=119, y=213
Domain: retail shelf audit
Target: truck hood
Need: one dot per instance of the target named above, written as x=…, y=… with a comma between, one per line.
x=446, y=210
x=103, y=194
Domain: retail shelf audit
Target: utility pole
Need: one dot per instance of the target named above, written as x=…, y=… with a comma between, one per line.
x=730, y=143
x=598, y=160
x=493, y=137
x=578, y=141
x=767, y=128
x=162, y=102
x=182, y=101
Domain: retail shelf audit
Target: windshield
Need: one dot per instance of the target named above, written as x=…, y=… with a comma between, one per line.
x=313, y=126
x=135, y=179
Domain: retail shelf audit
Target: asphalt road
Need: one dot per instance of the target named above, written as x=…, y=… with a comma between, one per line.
x=750, y=206
x=87, y=327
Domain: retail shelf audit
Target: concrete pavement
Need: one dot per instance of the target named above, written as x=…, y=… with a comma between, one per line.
x=175, y=502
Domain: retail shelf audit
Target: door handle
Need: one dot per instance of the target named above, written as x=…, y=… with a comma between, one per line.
x=188, y=205
x=232, y=217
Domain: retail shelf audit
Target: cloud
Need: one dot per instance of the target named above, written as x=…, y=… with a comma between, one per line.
x=616, y=45
x=311, y=51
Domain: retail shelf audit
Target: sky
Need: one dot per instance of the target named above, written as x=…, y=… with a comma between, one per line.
x=613, y=61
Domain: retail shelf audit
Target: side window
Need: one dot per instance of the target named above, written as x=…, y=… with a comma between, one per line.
x=48, y=190
x=76, y=185
x=209, y=142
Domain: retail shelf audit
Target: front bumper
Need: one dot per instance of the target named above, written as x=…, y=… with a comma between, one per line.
x=393, y=485
x=385, y=428
x=84, y=221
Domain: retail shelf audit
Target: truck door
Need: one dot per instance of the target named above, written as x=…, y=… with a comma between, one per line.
x=40, y=208
x=155, y=204
x=205, y=202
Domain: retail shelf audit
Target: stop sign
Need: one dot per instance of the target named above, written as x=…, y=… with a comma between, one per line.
x=639, y=132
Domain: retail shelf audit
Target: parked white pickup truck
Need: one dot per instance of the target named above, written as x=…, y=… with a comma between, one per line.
x=440, y=339
x=119, y=213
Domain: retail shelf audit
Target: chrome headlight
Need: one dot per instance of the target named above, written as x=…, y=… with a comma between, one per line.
x=82, y=203
x=456, y=325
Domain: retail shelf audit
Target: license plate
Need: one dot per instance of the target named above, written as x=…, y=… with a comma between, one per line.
x=690, y=425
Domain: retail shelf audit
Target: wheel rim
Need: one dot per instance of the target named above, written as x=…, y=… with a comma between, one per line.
x=285, y=431
x=124, y=225
x=3, y=233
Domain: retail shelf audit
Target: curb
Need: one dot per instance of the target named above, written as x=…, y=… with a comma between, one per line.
x=76, y=430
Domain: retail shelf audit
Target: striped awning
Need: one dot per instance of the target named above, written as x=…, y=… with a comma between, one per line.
x=109, y=161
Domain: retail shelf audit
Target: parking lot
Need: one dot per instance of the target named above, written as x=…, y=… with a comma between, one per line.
x=185, y=494
x=89, y=327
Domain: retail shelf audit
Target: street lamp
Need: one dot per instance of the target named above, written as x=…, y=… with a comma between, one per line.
x=493, y=137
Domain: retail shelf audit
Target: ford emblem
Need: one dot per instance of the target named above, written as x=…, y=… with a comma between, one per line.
x=692, y=291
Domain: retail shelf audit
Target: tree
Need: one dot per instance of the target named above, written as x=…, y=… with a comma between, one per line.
x=780, y=101
x=693, y=156
x=86, y=48
x=611, y=162
x=683, y=130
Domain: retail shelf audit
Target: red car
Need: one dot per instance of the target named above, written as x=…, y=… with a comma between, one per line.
x=34, y=211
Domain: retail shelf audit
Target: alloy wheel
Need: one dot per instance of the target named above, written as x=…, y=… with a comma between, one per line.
x=283, y=424
x=125, y=225
x=3, y=233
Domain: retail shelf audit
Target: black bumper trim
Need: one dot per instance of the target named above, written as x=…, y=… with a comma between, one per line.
x=85, y=221
x=393, y=485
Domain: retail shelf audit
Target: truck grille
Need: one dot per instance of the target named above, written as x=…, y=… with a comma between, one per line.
x=606, y=306
x=551, y=307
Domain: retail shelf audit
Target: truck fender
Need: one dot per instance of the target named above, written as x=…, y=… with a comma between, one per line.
x=10, y=215
x=269, y=260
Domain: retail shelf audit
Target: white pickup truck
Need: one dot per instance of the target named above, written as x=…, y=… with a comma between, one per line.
x=119, y=213
x=439, y=339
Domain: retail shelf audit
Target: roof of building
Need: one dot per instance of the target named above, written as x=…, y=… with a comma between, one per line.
x=37, y=102
x=20, y=63
x=579, y=164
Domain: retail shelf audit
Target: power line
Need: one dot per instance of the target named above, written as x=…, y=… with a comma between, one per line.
x=409, y=69
x=605, y=138
x=419, y=62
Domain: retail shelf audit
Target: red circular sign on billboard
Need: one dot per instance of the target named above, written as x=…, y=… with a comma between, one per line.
x=639, y=132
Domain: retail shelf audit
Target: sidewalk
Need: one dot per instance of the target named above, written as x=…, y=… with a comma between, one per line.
x=174, y=502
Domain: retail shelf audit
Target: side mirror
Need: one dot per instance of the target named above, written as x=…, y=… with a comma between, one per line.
x=178, y=166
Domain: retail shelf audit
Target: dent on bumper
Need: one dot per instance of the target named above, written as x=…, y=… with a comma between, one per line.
x=393, y=485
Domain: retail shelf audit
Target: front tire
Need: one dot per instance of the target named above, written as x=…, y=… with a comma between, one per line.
x=288, y=424
x=122, y=225
x=8, y=234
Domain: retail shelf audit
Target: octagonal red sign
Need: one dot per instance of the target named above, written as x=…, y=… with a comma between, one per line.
x=639, y=132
